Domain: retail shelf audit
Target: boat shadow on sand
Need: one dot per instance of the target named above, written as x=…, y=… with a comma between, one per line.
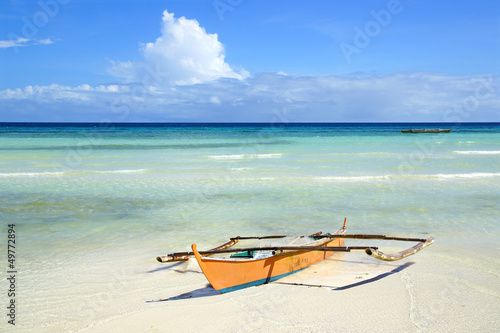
x=202, y=292
x=353, y=285
x=174, y=267
x=209, y=291
x=376, y=278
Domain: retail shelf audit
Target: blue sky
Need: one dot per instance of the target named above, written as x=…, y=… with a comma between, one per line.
x=242, y=60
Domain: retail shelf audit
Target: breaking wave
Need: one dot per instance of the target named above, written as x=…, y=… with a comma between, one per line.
x=244, y=156
x=355, y=178
x=478, y=152
x=467, y=175
x=29, y=174
x=61, y=173
x=416, y=176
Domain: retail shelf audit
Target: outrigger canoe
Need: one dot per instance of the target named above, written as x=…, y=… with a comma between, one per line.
x=259, y=265
x=426, y=130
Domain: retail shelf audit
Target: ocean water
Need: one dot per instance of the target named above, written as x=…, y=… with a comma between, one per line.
x=94, y=204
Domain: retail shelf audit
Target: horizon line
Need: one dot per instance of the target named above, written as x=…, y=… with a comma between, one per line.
x=248, y=122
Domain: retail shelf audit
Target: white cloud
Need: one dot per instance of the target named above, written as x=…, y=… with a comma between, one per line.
x=184, y=54
x=20, y=42
x=46, y=41
x=215, y=100
x=404, y=97
x=14, y=42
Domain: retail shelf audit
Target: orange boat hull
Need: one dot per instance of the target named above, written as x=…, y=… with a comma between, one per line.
x=227, y=275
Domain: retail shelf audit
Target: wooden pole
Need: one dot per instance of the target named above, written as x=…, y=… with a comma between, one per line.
x=260, y=237
x=370, y=250
x=315, y=235
x=181, y=256
x=381, y=237
x=277, y=248
x=352, y=236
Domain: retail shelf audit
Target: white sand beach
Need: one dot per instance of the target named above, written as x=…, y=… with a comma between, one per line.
x=441, y=289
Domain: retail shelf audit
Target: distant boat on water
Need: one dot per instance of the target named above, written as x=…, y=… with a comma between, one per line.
x=426, y=130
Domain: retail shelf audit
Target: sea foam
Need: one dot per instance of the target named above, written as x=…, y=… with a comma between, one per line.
x=60, y=173
x=122, y=171
x=243, y=156
x=467, y=175
x=30, y=174
x=354, y=178
x=478, y=152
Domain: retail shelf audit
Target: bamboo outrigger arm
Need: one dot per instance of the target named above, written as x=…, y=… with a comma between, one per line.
x=180, y=256
x=315, y=235
x=345, y=236
x=370, y=250
x=399, y=255
x=275, y=249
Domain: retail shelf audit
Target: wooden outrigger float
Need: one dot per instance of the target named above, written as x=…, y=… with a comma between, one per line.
x=426, y=130
x=253, y=266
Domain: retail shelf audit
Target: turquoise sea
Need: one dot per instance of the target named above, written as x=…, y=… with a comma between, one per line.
x=94, y=204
